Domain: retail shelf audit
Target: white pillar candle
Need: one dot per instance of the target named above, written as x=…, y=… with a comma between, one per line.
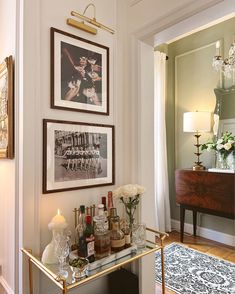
x=58, y=222
x=57, y=226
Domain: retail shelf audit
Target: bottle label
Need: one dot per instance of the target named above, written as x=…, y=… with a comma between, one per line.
x=128, y=239
x=118, y=243
x=90, y=248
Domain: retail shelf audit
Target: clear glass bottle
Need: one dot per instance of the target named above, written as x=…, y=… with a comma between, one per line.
x=102, y=234
x=117, y=236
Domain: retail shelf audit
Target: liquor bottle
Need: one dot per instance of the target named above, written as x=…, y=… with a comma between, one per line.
x=112, y=215
x=80, y=232
x=117, y=236
x=102, y=234
x=89, y=239
x=105, y=207
x=100, y=209
x=110, y=200
x=127, y=232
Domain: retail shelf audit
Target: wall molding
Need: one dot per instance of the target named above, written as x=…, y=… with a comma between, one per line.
x=205, y=233
x=5, y=285
x=134, y=2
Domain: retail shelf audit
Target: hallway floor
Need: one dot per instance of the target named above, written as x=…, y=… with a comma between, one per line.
x=203, y=245
x=2, y=291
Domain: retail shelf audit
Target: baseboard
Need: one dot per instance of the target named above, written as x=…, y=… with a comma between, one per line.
x=5, y=285
x=206, y=233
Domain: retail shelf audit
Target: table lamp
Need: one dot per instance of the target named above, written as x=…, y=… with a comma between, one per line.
x=195, y=122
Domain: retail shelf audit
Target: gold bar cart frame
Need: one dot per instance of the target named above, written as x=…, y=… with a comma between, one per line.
x=61, y=282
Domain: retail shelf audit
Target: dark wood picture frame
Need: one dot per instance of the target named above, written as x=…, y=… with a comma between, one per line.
x=79, y=74
x=77, y=155
x=7, y=109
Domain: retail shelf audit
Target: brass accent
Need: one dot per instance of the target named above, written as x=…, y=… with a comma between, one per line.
x=85, y=27
x=163, y=267
x=42, y=267
x=92, y=21
x=198, y=164
x=81, y=25
x=61, y=282
x=30, y=277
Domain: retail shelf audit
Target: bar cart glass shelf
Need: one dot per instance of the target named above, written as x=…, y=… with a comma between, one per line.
x=70, y=283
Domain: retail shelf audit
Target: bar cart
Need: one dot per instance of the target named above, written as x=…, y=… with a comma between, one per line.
x=69, y=283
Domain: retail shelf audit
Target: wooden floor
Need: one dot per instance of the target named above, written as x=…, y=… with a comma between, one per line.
x=203, y=245
x=2, y=291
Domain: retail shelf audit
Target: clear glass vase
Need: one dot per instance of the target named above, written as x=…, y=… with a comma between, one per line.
x=231, y=160
x=221, y=161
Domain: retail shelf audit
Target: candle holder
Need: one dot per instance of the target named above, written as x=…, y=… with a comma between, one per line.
x=57, y=225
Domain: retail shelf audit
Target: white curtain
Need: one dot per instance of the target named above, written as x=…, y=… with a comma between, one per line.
x=162, y=205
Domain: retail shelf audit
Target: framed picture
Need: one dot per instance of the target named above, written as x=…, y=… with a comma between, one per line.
x=77, y=155
x=6, y=109
x=79, y=74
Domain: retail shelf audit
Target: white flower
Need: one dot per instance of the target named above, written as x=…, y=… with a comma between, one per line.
x=127, y=191
x=117, y=193
x=227, y=146
x=220, y=141
x=219, y=146
x=140, y=189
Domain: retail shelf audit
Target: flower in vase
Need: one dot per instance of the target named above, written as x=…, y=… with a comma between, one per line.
x=224, y=145
x=129, y=195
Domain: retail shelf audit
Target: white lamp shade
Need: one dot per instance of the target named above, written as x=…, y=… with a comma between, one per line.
x=198, y=121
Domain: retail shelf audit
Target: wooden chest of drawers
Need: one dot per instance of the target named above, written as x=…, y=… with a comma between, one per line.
x=207, y=192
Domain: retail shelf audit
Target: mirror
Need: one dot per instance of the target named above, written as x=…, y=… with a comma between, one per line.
x=224, y=110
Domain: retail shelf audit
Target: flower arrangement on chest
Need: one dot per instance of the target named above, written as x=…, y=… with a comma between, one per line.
x=129, y=195
x=224, y=145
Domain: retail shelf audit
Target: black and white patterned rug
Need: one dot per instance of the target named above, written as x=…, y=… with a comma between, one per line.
x=191, y=272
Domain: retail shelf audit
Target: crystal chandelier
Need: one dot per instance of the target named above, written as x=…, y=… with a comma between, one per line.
x=226, y=66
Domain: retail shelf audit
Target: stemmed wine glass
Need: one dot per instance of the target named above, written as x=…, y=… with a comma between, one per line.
x=62, y=252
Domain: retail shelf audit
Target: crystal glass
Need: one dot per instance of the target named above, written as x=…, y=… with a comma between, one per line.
x=62, y=252
x=139, y=235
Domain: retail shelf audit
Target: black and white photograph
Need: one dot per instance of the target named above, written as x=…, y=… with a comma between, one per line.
x=79, y=74
x=77, y=155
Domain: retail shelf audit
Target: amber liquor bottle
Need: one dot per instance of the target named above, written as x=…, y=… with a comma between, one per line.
x=117, y=236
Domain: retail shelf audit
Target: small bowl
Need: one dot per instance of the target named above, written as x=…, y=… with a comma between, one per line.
x=79, y=267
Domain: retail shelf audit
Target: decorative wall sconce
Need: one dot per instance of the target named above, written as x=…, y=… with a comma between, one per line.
x=82, y=26
x=195, y=122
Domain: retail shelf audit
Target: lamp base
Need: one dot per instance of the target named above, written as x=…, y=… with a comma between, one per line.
x=199, y=167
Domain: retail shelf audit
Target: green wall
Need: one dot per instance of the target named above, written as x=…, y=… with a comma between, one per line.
x=190, y=86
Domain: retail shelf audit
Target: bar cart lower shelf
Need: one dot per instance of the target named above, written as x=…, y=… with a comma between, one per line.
x=67, y=284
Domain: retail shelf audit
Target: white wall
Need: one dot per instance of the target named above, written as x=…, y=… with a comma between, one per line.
x=38, y=209
x=7, y=167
